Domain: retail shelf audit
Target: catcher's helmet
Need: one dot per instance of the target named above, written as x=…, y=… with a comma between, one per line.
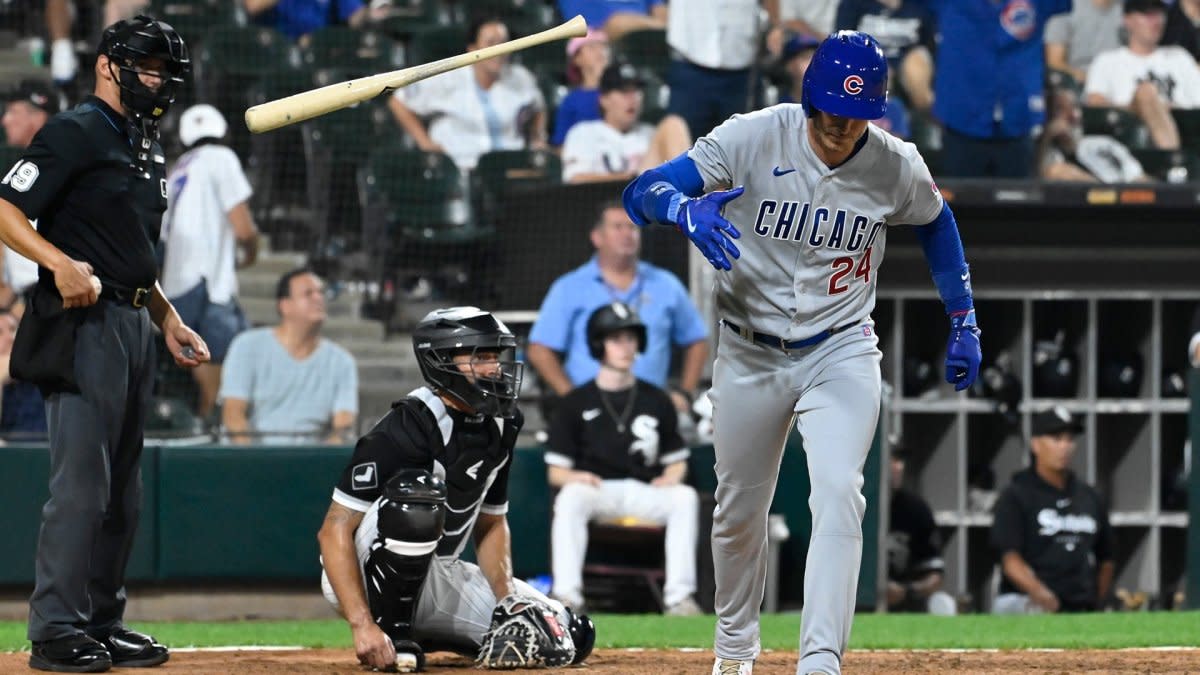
x=610, y=319
x=848, y=77
x=444, y=333
x=129, y=41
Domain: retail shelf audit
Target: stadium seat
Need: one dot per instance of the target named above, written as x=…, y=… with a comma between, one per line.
x=545, y=59
x=1120, y=124
x=1058, y=79
x=1188, y=122
x=172, y=418
x=417, y=215
x=275, y=162
x=436, y=43
x=502, y=171
x=1168, y=165
x=193, y=19
x=656, y=97
x=624, y=567
x=646, y=50
x=407, y=18
x=354, y=53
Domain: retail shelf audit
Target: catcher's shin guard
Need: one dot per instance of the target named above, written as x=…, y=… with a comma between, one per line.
x=411, y=517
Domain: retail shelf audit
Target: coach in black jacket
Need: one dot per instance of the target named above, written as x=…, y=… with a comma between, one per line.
x=1051, y=530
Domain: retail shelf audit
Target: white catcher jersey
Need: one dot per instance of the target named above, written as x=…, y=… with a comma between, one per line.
x=812, y=237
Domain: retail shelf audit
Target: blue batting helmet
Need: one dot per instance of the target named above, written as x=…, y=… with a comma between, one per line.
x=847, y=77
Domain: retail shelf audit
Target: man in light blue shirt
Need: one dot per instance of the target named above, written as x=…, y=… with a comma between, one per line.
x=287, y=384
x=616, y=274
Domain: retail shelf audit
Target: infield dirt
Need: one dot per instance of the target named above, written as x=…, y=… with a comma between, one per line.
x=651, y=662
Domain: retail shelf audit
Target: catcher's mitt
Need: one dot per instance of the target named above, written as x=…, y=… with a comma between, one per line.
x=525, y=633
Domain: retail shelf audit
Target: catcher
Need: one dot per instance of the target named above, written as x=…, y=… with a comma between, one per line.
x=433, y=471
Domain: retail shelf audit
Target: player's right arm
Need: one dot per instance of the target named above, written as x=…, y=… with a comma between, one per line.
x=57, y=154
x=336, y=538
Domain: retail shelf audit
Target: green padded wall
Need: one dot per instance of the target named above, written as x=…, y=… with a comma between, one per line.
x=1193, y=533
x=26, y=472
x=241, y=512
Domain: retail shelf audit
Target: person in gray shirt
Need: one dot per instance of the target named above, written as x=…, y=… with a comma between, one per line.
x=286, y=383
x=1073, y=40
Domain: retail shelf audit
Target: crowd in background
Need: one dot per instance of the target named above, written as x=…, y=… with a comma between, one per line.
x=1091, y=91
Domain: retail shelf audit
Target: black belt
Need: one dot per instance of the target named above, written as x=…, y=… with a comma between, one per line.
x=137, y=297
x=780, y=343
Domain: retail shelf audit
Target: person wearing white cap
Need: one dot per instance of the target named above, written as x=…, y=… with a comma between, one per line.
x=208, y=220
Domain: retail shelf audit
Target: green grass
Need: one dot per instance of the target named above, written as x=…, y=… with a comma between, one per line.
x=779, y=631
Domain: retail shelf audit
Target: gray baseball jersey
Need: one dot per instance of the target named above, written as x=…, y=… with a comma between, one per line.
x=812, y=237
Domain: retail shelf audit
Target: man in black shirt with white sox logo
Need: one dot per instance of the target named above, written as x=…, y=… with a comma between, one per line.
x=615, y=451
x=1051, y=530
x=94, y=178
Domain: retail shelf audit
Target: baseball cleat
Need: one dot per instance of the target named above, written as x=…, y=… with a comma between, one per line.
x=409, y=657
x=732, y=667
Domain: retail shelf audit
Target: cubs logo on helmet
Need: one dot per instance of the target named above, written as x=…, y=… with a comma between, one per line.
x=847, y=77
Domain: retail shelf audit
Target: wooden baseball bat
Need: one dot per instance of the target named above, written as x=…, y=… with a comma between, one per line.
x=313, y=103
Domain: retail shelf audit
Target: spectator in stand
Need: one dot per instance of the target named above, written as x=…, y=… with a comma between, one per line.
x=1068, y=155
x=620, y=146
x=915, y=566
x=286, y=383
x=814, y=18
x=617, y=17
x=587, y=57
x=616, y=274
x=208, y=221
x=298, y=18
x=1144, y=76
x=493, y=105
x=988, y=83
x=26, y=109
x=22, y=408
x=797, y=54
x=713, y=44
x=907, y=32
x=1073, y=40
x=1183, y=26
x=1051, y=530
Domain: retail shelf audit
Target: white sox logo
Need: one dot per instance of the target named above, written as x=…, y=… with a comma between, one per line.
x=853, y=85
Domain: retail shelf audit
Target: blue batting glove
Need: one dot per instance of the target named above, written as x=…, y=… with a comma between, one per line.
x=701, y=220
x=963, y=352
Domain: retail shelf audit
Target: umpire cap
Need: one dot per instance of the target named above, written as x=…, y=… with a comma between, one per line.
x=610, y=319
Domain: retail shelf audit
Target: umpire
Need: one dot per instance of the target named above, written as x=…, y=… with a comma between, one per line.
x=94, y=178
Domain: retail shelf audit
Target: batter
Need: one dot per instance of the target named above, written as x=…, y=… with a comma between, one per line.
x=817, y=188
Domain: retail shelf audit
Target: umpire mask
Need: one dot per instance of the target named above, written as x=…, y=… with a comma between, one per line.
x=128, y=44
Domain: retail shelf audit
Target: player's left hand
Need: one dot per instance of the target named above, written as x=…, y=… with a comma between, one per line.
x=701, y=220
x=963, y=352
x=188, y=348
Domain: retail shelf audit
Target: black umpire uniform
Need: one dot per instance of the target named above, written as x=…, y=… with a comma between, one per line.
x=94, y=178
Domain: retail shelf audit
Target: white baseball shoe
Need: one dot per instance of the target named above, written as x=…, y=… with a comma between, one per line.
x=732, y=667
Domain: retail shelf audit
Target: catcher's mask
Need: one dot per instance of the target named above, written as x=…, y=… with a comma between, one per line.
x=489, y=381
x=129, y=44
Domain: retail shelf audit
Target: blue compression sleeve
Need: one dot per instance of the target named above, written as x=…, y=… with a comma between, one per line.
x=653, y=196
x=944, y=253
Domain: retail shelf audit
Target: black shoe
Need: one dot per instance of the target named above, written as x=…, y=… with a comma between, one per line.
x=71, y=654
x=131, y=649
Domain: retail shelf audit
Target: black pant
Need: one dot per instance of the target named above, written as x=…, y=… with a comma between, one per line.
x=706, y=97
x=969, y=157
x=95, y=477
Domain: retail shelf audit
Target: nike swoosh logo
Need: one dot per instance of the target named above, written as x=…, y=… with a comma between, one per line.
x=966, y=276
x=691, y=225
x=781, y=172
x=589, y=415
